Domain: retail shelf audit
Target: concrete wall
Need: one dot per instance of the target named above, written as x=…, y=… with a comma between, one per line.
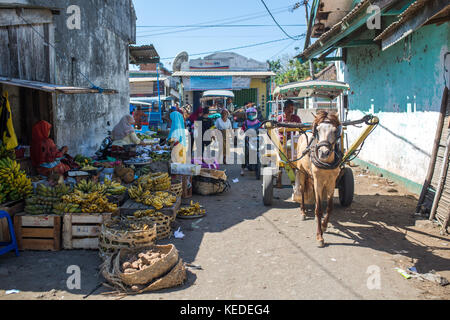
x=403, y=86
x=100, y=51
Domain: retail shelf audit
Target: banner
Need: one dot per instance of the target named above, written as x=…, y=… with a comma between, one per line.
x=210, y=83
x=241, y=83
x=209, y=64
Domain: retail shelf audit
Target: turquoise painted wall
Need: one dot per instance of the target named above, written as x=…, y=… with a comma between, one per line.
x=403, y=86
x=410, y=72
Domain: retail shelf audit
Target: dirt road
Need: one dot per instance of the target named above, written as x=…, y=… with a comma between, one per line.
x=248, y=251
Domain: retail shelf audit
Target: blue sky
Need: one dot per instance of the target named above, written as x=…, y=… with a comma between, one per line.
x=170, y=41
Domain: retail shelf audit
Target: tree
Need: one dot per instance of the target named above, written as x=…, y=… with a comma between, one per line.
x=291, y=70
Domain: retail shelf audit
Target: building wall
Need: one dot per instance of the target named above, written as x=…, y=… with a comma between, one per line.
x=403, y=86
x=100, y=51
x=262, y=93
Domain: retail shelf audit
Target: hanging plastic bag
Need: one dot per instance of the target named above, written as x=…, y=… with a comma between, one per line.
x=7, y=133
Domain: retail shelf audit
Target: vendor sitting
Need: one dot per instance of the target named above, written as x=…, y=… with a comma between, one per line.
x=124, y=134
x=45, y=156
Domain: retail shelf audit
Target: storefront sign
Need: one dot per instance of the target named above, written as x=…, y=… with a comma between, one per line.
x=241, y=83
x=210, y=83
x=209, y=64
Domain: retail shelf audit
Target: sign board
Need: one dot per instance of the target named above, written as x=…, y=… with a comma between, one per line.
x=209, y=64
x=241, y=83
x=209, y=83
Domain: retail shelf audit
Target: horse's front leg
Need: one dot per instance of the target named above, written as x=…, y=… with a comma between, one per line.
x=318, y=212
x=330, y=197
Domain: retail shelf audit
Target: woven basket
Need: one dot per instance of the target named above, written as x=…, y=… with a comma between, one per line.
x=162, y=223
x=142, y=277
x=111, y=240
x=177, y=189
x=174, y=278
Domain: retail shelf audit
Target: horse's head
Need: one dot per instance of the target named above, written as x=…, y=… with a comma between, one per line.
x=327, y=130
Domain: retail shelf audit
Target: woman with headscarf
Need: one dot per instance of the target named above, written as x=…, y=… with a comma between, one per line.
x=124, y=133
x=177, y=135
x=45, y=156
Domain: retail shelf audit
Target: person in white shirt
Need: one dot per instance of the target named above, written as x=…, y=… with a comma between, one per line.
x=223, y=124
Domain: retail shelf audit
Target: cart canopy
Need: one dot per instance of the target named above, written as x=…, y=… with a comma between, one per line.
x=315, y=88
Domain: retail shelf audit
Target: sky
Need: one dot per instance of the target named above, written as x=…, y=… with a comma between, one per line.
x=157, y=18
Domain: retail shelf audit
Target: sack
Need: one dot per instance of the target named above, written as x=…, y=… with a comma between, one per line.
x=210, y=182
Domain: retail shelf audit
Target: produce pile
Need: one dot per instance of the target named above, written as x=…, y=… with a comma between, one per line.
x=155, y=182
x=125, y=175
x=142, y=261
x=47, y=200
x=158, y=200
x=94, y=202
x=128, y=224
x=4, y=153
x=194, y=210
x=14, y=184
x=108, y=188
x=83, y=161
x=166, y=156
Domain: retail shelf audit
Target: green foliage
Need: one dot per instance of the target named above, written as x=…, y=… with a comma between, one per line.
x=291, y=70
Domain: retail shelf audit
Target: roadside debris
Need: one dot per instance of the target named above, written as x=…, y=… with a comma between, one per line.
x=431, y=276
x=235, y=180
x=13, y=291
x=178, y=234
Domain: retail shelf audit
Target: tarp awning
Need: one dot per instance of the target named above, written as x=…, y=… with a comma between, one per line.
x=53, y=88
x=218, y=93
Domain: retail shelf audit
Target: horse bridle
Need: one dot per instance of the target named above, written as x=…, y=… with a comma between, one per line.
x=330, y=146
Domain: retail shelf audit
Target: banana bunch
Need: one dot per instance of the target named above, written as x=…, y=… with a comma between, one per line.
x=194, y=210
x=46, y=199
x=155, y=181
x=114, y=188
x=14, y=182
x=158, y=200
x=90, y=187
x=95, y=202
x=148, y=213
x=61, y=208
x=4, y=153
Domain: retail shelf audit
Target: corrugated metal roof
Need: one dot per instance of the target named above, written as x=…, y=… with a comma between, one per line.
x=337, y=28
x=403, y=17
x=53, y=88
x=143, y=54
x=147, y=79
x=223, y=74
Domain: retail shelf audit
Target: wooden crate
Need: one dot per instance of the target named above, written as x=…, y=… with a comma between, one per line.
x=12, y=208
x=40, y=233
x=130, y=207
x=82, y=230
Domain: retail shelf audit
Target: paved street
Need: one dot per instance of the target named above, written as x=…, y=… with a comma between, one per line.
x=248, y=251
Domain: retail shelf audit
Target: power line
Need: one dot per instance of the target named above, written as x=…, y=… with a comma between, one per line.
x=273, y=18
x=225, y=26
x=198, y=28
x=250, y=16
x=282, y=50
x=238, y=48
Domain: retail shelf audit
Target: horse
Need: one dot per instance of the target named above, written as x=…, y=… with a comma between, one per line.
x=319, y=169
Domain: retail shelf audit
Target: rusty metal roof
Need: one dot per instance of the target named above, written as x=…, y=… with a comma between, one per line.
x=412, y=10
x=337, y=28
x=143, y=54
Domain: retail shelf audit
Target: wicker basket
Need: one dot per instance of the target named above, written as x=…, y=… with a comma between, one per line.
x=156, y=270
x=177, y=188
x=162, y=223
x=111, y=240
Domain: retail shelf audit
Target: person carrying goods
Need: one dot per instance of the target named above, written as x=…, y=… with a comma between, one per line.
x=251, y=122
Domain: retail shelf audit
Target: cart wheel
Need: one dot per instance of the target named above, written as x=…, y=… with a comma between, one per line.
x=346, y=188
x=267, y=190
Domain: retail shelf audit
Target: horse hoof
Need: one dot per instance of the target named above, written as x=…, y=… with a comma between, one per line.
x=302, y=217
x=320, y=243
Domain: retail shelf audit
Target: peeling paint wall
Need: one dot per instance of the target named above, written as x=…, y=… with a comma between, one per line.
x=403, y=86
x=100, y=51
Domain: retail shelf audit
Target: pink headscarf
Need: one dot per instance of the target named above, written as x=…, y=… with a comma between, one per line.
x=123, y=128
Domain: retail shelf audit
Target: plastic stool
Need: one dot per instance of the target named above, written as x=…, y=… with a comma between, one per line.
x=5, y=246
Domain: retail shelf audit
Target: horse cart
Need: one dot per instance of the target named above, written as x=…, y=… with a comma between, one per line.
x=284, y=137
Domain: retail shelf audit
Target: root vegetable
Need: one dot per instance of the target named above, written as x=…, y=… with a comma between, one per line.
x=130, y=271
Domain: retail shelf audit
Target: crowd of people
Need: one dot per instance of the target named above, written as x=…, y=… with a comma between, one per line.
x=47, y=158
